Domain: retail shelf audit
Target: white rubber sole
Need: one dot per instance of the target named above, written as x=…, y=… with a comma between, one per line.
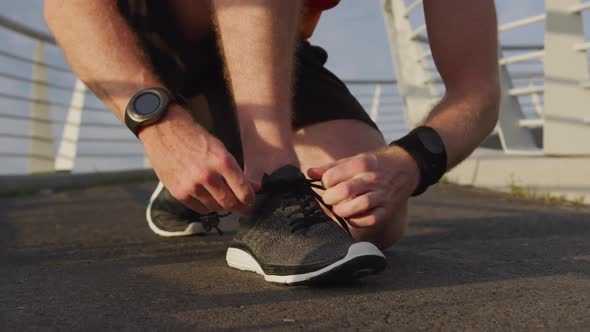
x=242, y=260
x=191, y=229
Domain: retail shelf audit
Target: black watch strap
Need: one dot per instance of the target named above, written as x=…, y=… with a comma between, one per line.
x=132, y=125
x=426, y=146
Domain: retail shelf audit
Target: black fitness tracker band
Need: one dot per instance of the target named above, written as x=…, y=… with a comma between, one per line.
x=426, y=146
x=146, y=107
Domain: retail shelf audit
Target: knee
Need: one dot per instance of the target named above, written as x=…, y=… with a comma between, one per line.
x=388, y=232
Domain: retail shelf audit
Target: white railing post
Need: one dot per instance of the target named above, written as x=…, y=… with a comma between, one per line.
x=418, y=95
x=513, y=137
x=68, y=147
x=536, y=102
x=376, y=100
x=146, y=161
x=567, y=103
x=41, y=158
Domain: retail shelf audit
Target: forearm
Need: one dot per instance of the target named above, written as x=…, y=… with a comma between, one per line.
x=102, y=49
x=464, y=120
x=463, y=38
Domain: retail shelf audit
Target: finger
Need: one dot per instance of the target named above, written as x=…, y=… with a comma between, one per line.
x=196, y=206
x=202, y=195
x=350, y=189
x=346, y=170
x=316, y=173
x=222, y=195
x=359, y=205
x=237, y=182
x=369, y=218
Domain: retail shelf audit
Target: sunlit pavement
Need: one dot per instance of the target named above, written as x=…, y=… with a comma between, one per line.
x=471, y=260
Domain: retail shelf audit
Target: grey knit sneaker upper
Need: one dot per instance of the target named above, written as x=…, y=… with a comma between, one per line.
x=288, y=232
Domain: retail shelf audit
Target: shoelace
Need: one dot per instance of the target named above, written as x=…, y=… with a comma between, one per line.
x=302, y=191
x=305, y=196
x=211, y=221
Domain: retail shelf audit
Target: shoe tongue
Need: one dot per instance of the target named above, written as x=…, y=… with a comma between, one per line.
x=288, y=173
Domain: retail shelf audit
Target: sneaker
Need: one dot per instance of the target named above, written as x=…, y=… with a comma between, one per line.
x=167, y=217
x=289, y=239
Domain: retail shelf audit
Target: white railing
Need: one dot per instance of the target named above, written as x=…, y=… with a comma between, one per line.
x=42, y=150
x=60, y=135
x=76, y=132
x=543, y=113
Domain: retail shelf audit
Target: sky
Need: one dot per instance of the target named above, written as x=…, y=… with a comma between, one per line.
x=353, y=33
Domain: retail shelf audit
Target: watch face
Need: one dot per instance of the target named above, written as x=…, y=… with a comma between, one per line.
x=431, y=141
x=146, y=104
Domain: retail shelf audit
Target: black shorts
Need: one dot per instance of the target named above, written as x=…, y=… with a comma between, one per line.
x=195, y=74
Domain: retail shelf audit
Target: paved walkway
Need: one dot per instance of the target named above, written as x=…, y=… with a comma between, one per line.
x=472, y=260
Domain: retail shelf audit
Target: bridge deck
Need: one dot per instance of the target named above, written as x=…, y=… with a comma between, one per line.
x=472, y=259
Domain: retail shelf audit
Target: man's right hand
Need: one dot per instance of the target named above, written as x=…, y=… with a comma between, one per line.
x=194, y=166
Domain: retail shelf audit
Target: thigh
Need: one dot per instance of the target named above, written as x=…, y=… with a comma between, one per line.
x=329, y=141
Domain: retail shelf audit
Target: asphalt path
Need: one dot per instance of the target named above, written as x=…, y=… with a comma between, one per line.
x=472, y=260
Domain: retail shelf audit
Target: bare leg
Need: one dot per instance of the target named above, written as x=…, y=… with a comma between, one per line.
x=258, y=40
x=325, y=142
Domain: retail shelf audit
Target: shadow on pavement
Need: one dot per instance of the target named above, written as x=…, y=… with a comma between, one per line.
x=94, y=264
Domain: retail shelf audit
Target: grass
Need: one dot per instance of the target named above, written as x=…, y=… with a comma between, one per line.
x=519, y=191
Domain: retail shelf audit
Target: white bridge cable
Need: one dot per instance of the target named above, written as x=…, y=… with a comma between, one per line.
x=25, y=137
x=108, y=140
x=416, y=33
x=578, y=9
x=23, y=79
x=110, y=155
x=413, y=6
x=23, y=156
x=22, y=59
x=51, y=121
x=522, y=57
x=531, y=123
x=50, y=103
x=529, y=90
x=522, y=23
x=82, y=139
x=23, y=30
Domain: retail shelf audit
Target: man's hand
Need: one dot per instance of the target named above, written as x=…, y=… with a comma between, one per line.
x=368, y=187
x=195, y=166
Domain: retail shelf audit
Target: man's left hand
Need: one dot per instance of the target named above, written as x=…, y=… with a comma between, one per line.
x=367, y=188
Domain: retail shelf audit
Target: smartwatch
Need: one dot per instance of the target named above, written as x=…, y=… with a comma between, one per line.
x=146, y=107
x=426, y=146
